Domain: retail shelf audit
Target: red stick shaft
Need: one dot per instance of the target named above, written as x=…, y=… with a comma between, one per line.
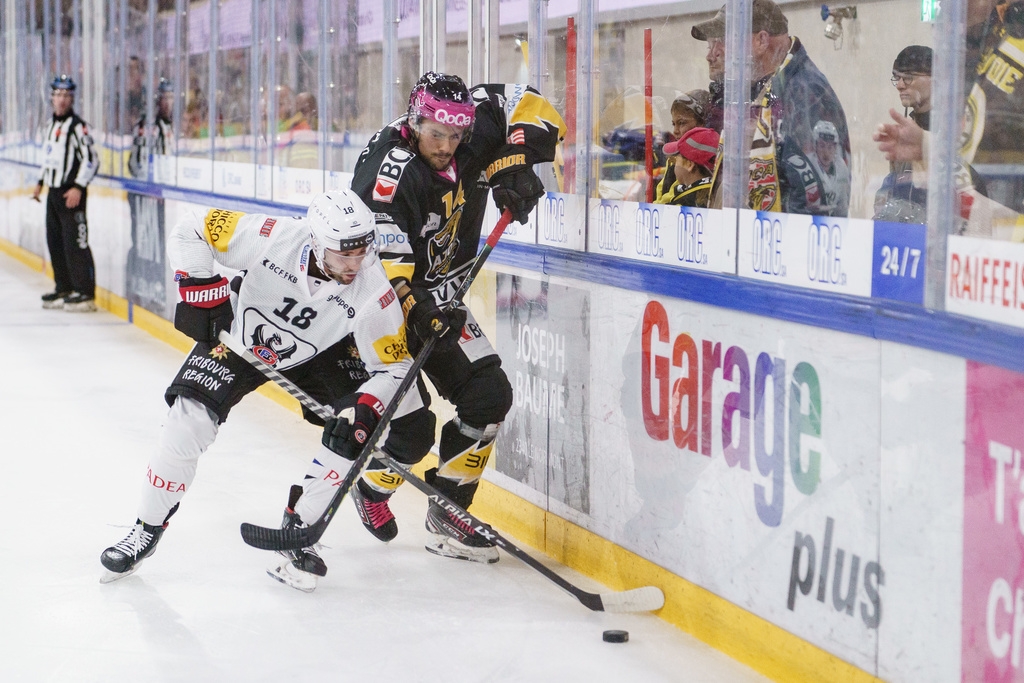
x=648, y=114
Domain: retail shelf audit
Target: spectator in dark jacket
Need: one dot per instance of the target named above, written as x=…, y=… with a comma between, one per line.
x=790, y=95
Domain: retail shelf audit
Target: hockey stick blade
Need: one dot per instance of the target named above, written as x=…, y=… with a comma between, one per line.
x=644, y=599
x=266, y=538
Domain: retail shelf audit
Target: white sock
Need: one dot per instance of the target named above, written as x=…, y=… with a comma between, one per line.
x=324, y=475
x=187, y=433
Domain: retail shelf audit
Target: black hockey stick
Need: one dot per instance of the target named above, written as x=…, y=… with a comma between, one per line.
x=642, y=599
x=266, y=538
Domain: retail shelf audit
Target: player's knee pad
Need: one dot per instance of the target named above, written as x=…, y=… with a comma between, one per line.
x=485, y=399
x=411, y=436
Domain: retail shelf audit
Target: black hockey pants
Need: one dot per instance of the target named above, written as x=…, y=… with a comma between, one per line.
x=67, y=238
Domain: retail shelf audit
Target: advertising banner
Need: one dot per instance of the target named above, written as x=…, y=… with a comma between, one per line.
x=562, y=221
x=816, y=252
x=993, y=566
x=145, y=270
x=985, y=279
x=741, y=453
x=680, y=236
x=543, y=339
x=234, y=178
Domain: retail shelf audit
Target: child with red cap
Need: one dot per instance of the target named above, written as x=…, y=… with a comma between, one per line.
x=694, y=155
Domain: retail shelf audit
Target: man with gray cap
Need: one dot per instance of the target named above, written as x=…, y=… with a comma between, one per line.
x=790, y=95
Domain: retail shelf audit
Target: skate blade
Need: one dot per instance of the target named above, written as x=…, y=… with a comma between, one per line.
x=52, y=305
x=109, y=577
x=443, y=546
x=84, y=307
x=293, y=577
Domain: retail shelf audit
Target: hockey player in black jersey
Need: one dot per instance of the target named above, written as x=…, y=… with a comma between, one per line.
x=312, y=301
x=426, y=176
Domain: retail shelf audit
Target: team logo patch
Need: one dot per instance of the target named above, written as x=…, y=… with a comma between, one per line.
x=391, y=170
x=268, y=225
x=265, y=354
x=219, y=226
x=517, y=137
x=392, y=348
x=388, y=297
x=179, y=274
x=219, y=352
x=384, y=190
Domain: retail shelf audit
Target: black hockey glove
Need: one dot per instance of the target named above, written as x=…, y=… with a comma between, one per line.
x=427, y=320
x=205, y=307
x=357, y=417
x=517, y=189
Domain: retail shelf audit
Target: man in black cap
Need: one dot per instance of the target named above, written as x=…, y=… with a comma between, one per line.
x=790, y=95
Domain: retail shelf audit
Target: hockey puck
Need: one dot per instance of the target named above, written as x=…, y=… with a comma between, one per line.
x=615, y=636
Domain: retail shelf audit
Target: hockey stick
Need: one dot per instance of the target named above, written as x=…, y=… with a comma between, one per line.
x=644, y=599
x=266, y=538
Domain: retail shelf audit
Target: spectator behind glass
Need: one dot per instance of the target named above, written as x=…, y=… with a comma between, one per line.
x=693, y=159
x=898, y=200
x=688, y=111
x=790, y=95
x=833, y=173
x=903, y=197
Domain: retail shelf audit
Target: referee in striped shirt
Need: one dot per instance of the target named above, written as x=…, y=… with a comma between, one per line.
x=69, y=163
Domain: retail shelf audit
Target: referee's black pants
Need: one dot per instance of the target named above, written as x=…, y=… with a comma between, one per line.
x=67, y=238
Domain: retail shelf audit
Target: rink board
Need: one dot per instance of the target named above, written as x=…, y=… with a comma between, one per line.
x=639, y=458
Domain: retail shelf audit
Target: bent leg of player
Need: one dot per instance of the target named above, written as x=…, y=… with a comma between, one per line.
x=188, y=432
x=470, y=376
x=410, y=439
x=208, y=384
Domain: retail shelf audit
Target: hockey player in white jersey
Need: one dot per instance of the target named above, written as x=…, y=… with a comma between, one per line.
x=310, y=299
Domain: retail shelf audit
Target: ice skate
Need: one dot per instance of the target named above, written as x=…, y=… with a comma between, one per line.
x=54, y=299
x=124, y=558
x=451, y=537
x=300, y=568
x=374, y=512
x=77, y=302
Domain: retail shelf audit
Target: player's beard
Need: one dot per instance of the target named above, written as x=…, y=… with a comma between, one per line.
x=439, y=162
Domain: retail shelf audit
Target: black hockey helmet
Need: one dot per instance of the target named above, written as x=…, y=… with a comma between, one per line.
x=443, y=98
x=63, y=82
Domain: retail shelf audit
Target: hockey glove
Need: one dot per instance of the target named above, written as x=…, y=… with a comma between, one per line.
x=347, y=432
x=427, y=320
x=205, y=307
x=517, y=189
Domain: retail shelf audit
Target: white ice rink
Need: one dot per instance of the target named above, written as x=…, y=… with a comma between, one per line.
x=80, y=410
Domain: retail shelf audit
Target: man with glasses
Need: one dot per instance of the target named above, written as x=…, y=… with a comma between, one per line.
x=427, y=176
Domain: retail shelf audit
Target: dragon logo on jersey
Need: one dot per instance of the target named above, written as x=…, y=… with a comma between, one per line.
x=444, y=244
x=279, y=347
x=268, y=346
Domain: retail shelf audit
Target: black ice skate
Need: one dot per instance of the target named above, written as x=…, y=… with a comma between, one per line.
x=374, y=512
x=79, y=303
x=300, y=568
x=451, y=537
x=54, y=299
x=124, y=558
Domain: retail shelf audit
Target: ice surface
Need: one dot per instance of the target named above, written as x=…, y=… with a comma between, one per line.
x=81, y=405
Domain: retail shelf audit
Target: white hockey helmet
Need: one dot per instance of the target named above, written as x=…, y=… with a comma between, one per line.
x=340, y=221
x=826, y=131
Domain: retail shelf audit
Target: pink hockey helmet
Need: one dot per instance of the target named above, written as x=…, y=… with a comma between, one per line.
x=444, y=99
